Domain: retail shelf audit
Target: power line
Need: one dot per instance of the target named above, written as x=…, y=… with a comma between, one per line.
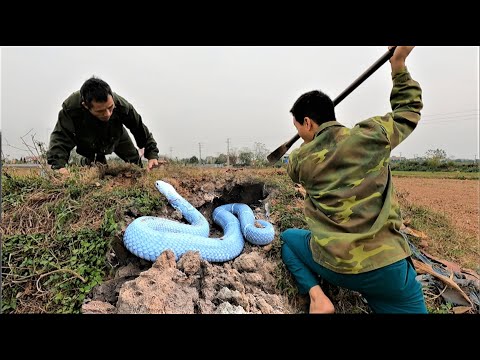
x=228, y=152
x=455, y=112
x=449, y=117
x=446, y=121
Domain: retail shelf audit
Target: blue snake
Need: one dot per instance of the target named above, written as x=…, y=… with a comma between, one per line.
x=148, y=236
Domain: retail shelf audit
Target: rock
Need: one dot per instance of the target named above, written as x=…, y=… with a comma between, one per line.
x=227, y=308
x=98, y=307
x=160, y=290
x=189, y=263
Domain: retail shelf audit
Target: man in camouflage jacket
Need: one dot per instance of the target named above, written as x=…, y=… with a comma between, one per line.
x=354, y=239
x=94, y=120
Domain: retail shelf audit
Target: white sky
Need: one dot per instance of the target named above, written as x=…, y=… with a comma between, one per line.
x=206, y=95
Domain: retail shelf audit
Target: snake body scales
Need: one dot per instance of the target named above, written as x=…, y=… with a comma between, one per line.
x=148, y=236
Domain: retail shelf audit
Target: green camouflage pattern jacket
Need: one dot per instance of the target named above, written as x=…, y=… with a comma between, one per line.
x=350, y=207
x=76, y=126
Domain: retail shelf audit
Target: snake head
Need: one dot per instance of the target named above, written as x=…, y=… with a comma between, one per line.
x=165, y=188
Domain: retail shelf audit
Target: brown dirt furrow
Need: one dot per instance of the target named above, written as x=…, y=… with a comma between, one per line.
x=458, y=200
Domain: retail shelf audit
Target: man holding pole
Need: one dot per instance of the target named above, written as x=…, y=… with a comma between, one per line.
x=354, y=239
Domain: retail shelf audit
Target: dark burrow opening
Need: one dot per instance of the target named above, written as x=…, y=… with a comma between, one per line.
x=251, y=194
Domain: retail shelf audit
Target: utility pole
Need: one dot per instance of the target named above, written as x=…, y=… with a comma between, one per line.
x=228, y=152
x=171, y=150
x=200, y=151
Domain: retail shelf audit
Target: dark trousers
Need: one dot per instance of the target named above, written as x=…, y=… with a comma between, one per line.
x=390, y=289
x=125, y=150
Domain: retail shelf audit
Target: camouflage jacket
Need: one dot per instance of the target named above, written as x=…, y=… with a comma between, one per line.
x=349, y=204
x=76, y=126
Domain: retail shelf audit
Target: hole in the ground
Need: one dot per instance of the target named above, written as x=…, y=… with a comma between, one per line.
x=251, y=194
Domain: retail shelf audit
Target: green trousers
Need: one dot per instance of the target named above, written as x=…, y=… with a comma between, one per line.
x=392, y=289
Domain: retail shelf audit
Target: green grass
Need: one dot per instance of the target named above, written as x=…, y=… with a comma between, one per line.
x=56, y=236
x=438, y=175
x=440, y=308
x=65, y=268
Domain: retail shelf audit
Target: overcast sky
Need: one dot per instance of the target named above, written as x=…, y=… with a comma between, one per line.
x=205, y=95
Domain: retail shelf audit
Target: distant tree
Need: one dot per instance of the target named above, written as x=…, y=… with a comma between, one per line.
x=246, y=157
x=193, y=160
x=437, y=154
x=221, y=159
x=435, y=157
x=260, y=153
x=233, y=156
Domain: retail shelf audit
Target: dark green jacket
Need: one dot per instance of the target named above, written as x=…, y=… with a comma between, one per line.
x=350, y=206
x=76, y=126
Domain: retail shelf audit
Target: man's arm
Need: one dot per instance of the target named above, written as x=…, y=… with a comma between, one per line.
x=61, y=142
x=143, y=137
x=405, y=100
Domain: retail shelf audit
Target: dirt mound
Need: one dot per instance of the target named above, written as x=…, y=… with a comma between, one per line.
x=191, y=286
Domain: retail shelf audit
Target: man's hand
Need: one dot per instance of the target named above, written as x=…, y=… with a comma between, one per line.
x=64, y=171
x=399, y=56
x=155, y=162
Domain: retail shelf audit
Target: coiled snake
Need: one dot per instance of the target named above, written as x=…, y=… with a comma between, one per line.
x=148, y=236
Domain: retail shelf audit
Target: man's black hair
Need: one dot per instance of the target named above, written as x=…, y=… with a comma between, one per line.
x=95, y=89
x=314, y=104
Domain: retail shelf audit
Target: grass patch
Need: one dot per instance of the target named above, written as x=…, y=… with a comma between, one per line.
x=52, y=275
x=438, y=175
x=57, y=234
